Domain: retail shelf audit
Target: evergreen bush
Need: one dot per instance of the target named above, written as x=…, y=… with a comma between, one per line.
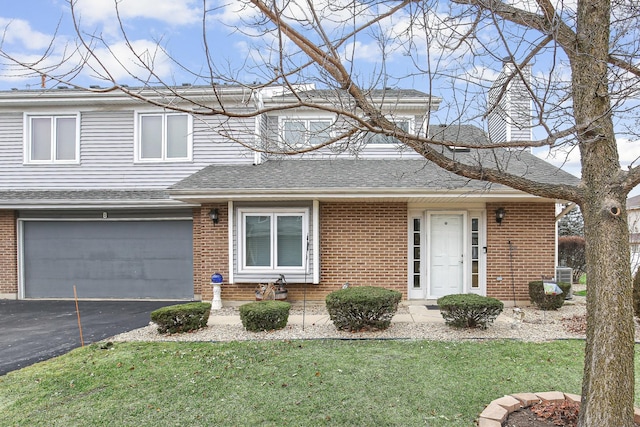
x=264, y=315
x=362, y=307
x=544, y=301
x=182, y=317
x=469, y=310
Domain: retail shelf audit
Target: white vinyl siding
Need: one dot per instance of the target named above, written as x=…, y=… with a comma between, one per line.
x=164, y=137
x=106, y=158
x=51, y=139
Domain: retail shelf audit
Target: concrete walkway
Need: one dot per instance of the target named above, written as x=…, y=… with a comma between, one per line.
x=417, y=314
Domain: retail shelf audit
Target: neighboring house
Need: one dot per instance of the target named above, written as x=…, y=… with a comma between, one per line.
x=123, y=200
x=633, y=218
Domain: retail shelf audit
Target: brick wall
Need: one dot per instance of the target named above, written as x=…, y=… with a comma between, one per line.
x=210, y=250
x=530, y=227
x=8, y=255
x=361, y=243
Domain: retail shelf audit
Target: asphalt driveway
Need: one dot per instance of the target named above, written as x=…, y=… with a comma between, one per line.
x=33, y=331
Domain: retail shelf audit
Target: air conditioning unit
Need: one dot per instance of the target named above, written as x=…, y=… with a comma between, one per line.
x=565, y=274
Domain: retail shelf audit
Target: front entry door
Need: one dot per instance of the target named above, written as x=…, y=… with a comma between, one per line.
x=446, y=250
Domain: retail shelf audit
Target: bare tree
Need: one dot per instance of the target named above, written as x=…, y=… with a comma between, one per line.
x=584, y=57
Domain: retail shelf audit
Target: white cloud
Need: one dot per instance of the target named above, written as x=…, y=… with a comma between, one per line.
x=569, y=159
x=171, y=12
x=122, y=62
x=19, y=31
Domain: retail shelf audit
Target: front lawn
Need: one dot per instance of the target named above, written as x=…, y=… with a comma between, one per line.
x=297, y=383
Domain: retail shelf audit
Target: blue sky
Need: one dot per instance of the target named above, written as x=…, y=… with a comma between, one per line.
x=31, y=24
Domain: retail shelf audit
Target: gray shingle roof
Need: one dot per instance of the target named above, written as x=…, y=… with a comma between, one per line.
x=78, y=198
x=353, y=175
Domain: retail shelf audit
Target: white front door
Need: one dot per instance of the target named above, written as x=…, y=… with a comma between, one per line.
x=446, y=254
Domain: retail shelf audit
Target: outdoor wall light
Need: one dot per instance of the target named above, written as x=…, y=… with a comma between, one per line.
x=500, y=213
x=214, y=215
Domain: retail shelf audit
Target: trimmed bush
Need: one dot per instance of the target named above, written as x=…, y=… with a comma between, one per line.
x=264, y=315
x=636, y=293
x=469, y=310
x=362, y=307
x=544, y=301
x=182, y=317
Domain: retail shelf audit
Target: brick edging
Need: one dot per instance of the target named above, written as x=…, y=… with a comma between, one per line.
x=498, y=410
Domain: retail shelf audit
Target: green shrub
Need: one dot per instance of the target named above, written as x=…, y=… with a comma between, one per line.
x=362, y=307
x=182, y=317
x=636, y=293
x=469, y=310
x=544, y=301
x=264, y=315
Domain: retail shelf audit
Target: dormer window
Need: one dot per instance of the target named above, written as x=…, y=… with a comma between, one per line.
x=380, y=138
x=298, y=133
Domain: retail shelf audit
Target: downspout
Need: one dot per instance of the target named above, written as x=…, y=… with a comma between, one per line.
x=258, y=98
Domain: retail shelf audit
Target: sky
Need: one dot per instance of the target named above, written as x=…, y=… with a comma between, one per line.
x=30, y=26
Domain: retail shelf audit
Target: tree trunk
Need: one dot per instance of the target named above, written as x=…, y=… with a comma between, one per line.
x=608, y=384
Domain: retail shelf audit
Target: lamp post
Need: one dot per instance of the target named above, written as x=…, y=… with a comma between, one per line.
x=216, y=282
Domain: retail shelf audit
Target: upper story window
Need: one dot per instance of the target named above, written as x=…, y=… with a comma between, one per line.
x=52, y=139
x=272, y=240
x=305, y=132
x=164, y=137
x=379, y=138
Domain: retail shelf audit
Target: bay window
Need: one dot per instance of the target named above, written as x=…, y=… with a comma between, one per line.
x=272, y=240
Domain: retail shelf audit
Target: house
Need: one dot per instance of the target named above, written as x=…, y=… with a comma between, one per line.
x=120, y=199
x=633, y=217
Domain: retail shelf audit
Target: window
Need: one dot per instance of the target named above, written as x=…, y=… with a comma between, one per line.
x=272, y=240
x=379, y=138
x=164, y=137
x=52, y=139
x=301, y=133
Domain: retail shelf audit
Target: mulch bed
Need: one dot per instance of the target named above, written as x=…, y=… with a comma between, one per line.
x=546, y=414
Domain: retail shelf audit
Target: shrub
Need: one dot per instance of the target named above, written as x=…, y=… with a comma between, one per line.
x=264, y=315
x=571, y=252
x=544, y=301
x=362, y=307
x=469, y=310
x=636, y=293
x=182, y=317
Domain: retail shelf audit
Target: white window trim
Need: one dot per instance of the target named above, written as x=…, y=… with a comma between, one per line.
x=137, y=140
x=273, y=212
x=27, y=139
x=412, y=125
x=306, y=119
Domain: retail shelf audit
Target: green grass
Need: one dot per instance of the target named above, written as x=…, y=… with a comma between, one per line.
x=284, y=383
x=582, y=293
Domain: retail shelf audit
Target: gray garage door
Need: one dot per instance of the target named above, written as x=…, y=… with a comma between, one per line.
x=103, y=259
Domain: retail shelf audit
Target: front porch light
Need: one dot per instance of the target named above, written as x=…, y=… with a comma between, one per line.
x=214, y=215
x=500, y=213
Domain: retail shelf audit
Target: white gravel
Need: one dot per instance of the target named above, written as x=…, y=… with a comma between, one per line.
x=535, y=325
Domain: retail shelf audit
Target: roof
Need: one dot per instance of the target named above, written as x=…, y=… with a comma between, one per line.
x=23, y=199
x=358, y=179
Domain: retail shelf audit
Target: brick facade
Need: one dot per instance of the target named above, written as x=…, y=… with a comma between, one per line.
x=366, y=244
x=530, y=227
x=360, y=243
x=8, y=255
